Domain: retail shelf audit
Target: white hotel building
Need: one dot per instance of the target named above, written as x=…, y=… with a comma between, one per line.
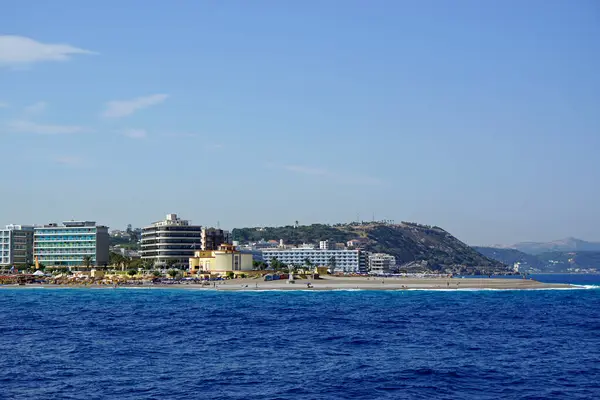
x=381, y=263
x=171, y=242
x=348, y=261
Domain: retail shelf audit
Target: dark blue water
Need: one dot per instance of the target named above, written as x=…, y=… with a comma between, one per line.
x=574, y=279
x=181, y=344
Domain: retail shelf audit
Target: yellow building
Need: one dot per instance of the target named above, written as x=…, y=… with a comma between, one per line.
x=220, y=261
x=321, y=270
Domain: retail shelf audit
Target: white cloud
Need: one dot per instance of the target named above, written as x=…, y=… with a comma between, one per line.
x=20, y=50
x=135, y=133
x=36, y=108
x=123, y=108
x=42, y=129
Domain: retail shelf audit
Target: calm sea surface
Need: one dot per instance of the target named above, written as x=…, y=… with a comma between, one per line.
x=181, y=344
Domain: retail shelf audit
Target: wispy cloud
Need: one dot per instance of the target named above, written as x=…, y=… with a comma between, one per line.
x=68, y=160
x=44, y=129
x=181, y=135
x=334, y=176
x=123, y=108
x=20, y=50
x=36, y=108
x=3, y=104
x=135, y=133
x=307, y=170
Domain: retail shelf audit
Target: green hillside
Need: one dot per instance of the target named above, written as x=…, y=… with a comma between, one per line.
x=416, y=247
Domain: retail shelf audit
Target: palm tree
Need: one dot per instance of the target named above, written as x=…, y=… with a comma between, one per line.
x=332, y=264
x=170, y=263
x=275, y=264
x=291, y=269
x=87, y=261
x=148, y=264
x=308, y=263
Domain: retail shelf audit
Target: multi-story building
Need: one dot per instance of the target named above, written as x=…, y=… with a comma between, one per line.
x=220, y=261
x=74, y=243
x=349, y=261
x=325, y=245
x=212, y=238
x=16, y=245
x=171, y=242
x=381, y=263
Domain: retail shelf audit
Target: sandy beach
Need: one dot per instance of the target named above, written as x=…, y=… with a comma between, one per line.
x=341, y=283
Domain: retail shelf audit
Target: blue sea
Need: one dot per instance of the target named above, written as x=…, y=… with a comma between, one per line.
x=184, y=344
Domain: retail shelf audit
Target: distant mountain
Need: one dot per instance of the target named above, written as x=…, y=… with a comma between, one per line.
x=564, y=245
x=553, y=261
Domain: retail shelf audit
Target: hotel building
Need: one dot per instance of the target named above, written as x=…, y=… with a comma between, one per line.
x=381, y=263
x=171, y=242
x=69, y=244
x=212, y=238
x=348, y=261
x=16, y=245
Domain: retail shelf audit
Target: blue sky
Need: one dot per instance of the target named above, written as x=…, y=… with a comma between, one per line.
x=480, y=117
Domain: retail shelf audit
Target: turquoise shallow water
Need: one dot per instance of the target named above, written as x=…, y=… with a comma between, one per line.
x=179, y=344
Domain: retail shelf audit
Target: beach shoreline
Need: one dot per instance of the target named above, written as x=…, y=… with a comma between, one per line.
x=334, y=283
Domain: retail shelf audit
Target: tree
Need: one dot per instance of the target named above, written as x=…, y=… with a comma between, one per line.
x=275, y=264
x=87, y=261
x=126, y=263
x=291, y=269
x=132, y=272
x=332, y=263
x=173, y=273
x=115, y=259
x=148, y=264
x=170, y=263
x=137, y=263
x=156, y=274
x=308, y=263
x=230, y=275
x=258, y=265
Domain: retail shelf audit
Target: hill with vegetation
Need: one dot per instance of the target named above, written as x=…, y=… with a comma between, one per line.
x=510, y=256
x=552, y=261
x=416, y=247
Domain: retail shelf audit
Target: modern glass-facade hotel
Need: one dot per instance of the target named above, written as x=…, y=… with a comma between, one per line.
x=69, y=244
